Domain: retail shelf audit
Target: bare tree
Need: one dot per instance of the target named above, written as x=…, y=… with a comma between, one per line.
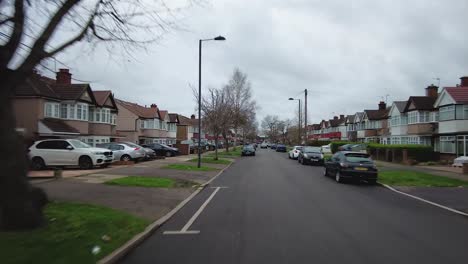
x=243, y=105
x=33, y=31
x=270, y=127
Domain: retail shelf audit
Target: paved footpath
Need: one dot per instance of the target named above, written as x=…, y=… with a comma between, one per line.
x=277, y=211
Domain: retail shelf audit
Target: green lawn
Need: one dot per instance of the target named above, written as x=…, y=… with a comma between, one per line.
x=70, y=234
x=188, y=167
x=232, y=153
x=211, y=160
x=414, y=178
x=152, y=182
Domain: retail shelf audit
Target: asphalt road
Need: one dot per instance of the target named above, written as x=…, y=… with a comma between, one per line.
x=278, y=211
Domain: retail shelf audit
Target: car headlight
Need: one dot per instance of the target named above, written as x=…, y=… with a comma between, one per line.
x=98, y=153
x=306, y=156
x=321, y=156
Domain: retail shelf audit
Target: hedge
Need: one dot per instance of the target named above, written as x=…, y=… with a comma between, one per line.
x=420, y=153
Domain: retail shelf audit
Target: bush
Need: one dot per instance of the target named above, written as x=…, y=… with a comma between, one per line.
x=317, y=143
x=336, y=144
x=419, y=153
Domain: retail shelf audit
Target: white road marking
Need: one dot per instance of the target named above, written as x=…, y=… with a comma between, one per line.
x=184, y=229
x=426, y=201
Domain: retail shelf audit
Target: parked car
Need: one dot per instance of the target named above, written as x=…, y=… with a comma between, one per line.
x=125, y=151
x=273, y=146
x=351, y=165
x=263, y=145
x=248, y=150
x=163, y=150
x=310, y=155
x=294, y=153
x=346, y=147
x=281, y=148
x=326, y=149
x=458, y=162
x=359, y=148
x=149, y=154
x=68, y=152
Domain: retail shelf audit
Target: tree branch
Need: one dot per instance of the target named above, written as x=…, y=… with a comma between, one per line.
x=8, y=50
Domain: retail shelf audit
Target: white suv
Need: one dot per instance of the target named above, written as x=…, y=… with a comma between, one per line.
x=68, y=152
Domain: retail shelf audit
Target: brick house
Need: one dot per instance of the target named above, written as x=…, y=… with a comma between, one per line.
x=56, y=108
x=398, y=122
x=351, y=134
x=452, y=137
x=375, y=124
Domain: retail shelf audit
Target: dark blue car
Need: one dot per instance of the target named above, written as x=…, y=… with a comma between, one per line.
x=280, y=148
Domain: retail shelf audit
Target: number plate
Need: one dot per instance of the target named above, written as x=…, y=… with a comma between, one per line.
x=360, y=168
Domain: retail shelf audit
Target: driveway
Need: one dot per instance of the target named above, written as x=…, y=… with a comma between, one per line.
x=269, y=209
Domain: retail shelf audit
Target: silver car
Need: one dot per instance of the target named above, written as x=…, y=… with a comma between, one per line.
x=125, y=151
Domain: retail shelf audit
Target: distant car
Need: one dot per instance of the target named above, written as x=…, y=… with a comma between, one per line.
x=458, y=162
x=149, y=154
x=326, y=149
x=351, y=165
x=125, y=151
x=273, y=146
x=264, y=145
x=281, y=148
x=310, y=155
x=248, y=150
x=346, y=147
x=163, y=150
x=359, y=148
x=294, y=153
x=68, y=152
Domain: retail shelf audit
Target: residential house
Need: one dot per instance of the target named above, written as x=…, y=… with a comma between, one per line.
x=139, y=124
x=375, y=124
x=398, y=121
x=452, y=138
x=190, y=125
x=351, y=134
x=48, y=108
x=314, y=131
x=172, y=128
x=359, y=125
x=422, y=118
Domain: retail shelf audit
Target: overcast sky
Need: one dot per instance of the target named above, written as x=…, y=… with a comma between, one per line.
x=349, y=54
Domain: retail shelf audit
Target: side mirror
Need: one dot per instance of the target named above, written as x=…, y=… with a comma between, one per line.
x=69, y=147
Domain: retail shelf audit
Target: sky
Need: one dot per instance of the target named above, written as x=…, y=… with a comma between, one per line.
x=348, y=54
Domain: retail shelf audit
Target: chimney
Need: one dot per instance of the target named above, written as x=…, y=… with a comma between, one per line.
x=335, y=118
x=63, y=77
x=154, y=106
x=432, y=91
x=341, y=116
x=192, y=117
x=464, y=81
x=382, y=105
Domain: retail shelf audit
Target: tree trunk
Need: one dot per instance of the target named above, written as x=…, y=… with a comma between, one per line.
x=226, y=141
x=21, y=204
x=216, y=148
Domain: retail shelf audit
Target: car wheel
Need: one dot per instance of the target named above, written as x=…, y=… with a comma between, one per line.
x=372, y=182
x=168, y=154
x=125, y=158
x=85, y=163
x=37, y=163
x=325, y=171
x=104, y=166
x=338, y=177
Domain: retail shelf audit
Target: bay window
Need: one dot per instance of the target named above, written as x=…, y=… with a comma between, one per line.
x=413, y=117
x=447, y=144
x=446, y=113
x=52, y=110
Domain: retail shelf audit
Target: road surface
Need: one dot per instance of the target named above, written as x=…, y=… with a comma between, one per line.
x=274, y=210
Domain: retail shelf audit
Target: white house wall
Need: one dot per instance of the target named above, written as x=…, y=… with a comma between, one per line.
x=453, y=126
x=399, y=130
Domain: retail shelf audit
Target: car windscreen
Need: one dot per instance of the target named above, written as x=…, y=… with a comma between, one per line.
x=358, y=158
x=248, y=147
x=79, y=144
x=131, y=144
x=299, y=148
x=311, y=150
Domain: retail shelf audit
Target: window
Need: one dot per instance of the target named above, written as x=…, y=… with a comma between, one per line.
x=52, y=110
x=113, y=119
x=447, y=144
x=434, y=117
x=447, y=113
x=79, y=109
x=465, y=111
x=63, y=110
x=413, y=117
x=423, y=117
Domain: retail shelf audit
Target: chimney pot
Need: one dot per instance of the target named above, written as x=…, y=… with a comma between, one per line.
x=192, y=117
x=464, y=81
x=154, y=106
x=432, y=91
x=335, y=118
x=341, y=116
x=63, y=76
x=382, y=105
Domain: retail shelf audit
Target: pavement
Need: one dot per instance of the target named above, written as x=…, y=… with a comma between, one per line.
x=274, y=210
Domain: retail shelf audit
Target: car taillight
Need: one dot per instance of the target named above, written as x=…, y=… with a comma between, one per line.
x=137, y=148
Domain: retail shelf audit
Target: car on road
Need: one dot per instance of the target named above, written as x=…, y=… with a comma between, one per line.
x=68, y=152
x=125, y=151
x=294, y=153
x=263, y=145
x=248, y=150
x=351, y=165
x=163, y=150
x=273, y=146
x=326, y=149
x=310, y=155
x=281, y=148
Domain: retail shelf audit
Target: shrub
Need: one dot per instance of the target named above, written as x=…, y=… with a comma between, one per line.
x=419, y=153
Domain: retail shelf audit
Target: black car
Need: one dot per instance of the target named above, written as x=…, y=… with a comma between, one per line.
x=351, y=165
x=162, y=150
x=248, y=150
x=310, y=155
x=280, y=148
x=273, y=146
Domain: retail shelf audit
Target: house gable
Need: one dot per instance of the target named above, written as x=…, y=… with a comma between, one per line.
x=444, y=99
x=394, y=111
x=411, y=106
x=109, y=103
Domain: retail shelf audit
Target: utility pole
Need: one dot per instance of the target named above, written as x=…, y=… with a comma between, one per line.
x=305, y=116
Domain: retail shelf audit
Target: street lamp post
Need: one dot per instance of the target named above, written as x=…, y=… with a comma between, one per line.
x=300, y=122
x=199, y=93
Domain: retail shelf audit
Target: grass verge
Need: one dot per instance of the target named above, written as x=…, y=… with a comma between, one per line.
x=414, y=178
x=233, y=152
x=188, y=167
x=151, y=182
x=72, y=231
x=211, y=160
